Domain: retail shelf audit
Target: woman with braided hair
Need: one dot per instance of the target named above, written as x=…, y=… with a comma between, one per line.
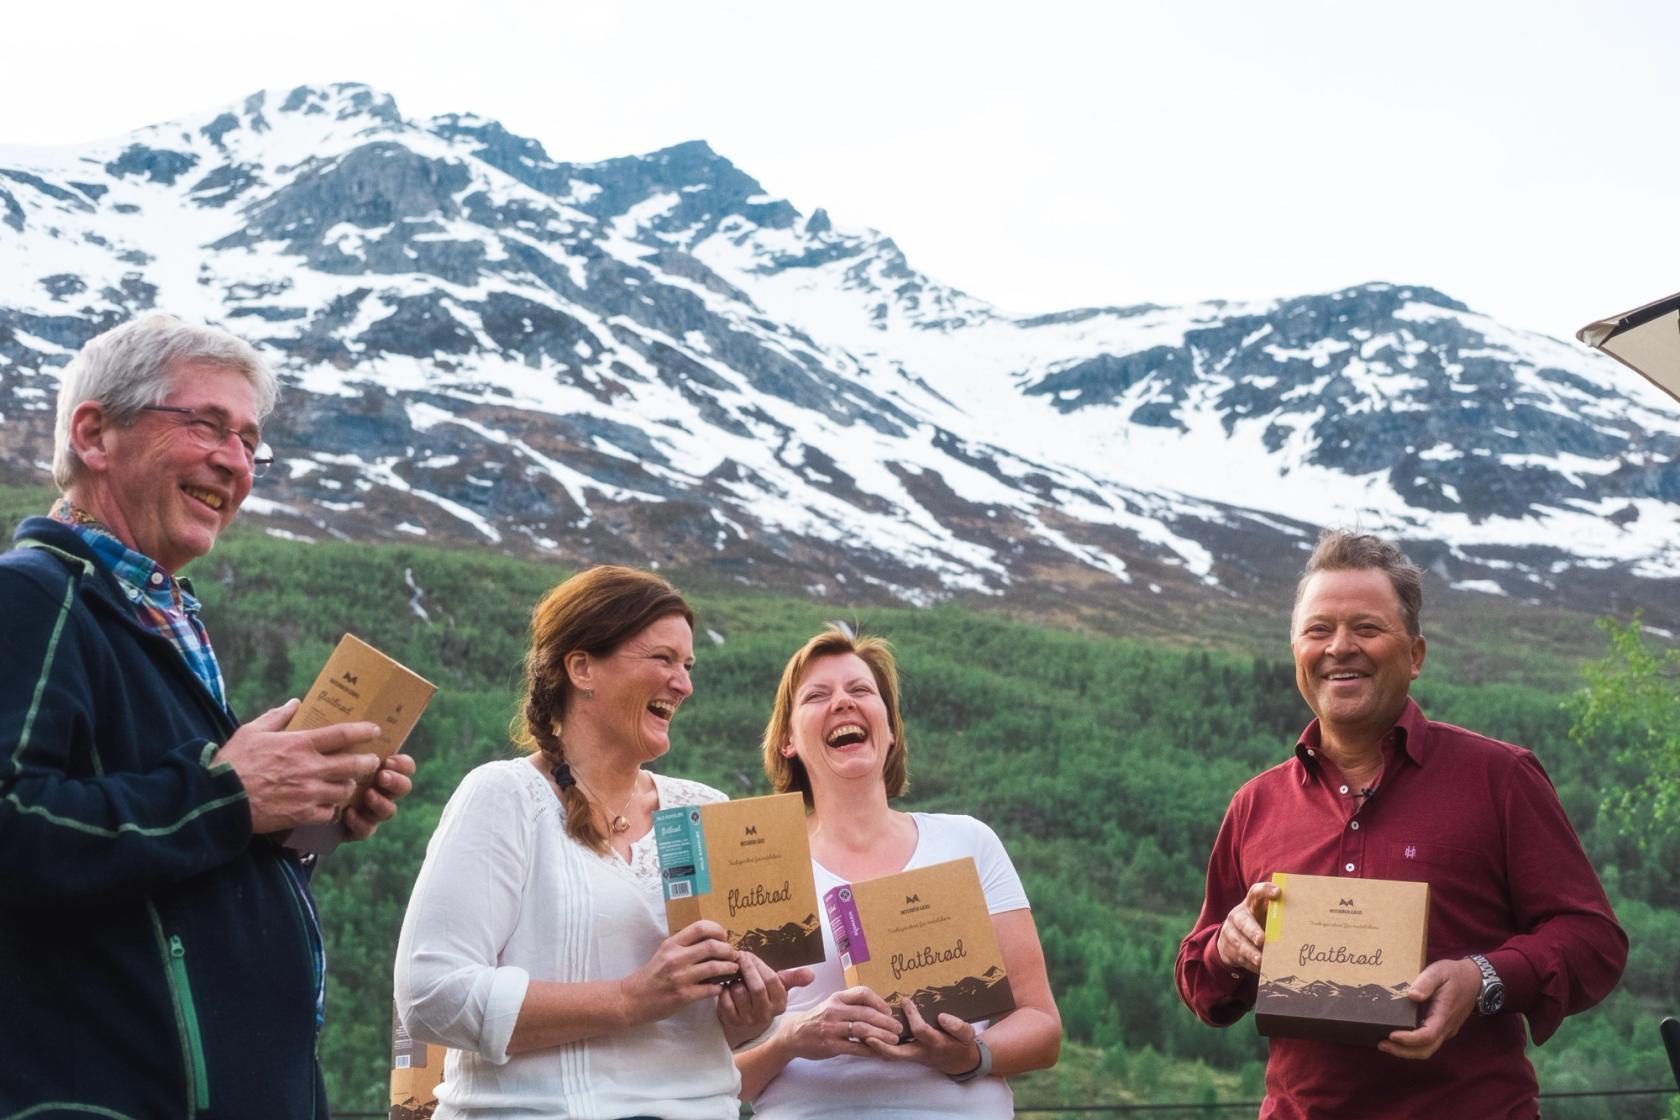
x=535, y=943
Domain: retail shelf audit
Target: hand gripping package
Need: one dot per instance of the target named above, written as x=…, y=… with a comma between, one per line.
x=1339, y=956
x=747, y=866
x=924, y=935
x=358, y=683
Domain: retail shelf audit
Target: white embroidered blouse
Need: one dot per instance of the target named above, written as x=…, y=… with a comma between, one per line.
x=505, y=896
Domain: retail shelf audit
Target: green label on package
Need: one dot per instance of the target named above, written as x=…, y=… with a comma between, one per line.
x=682, y=852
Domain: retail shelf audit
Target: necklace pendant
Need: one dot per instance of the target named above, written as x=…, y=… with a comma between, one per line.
x=619, y=824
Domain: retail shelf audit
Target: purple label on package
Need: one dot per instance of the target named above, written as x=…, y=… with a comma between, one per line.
x=847, y=927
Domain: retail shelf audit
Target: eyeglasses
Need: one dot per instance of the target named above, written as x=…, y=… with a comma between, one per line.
x=210, y=434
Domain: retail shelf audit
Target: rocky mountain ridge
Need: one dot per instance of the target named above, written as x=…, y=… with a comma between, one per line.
x=652, y=359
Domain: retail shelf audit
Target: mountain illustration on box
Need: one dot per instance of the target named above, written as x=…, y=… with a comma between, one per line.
x=788, y=945
x=1326, y=999
x=412, y=1109
x=971, y=998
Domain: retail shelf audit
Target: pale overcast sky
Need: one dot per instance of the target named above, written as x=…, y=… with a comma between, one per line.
x=1522, y=157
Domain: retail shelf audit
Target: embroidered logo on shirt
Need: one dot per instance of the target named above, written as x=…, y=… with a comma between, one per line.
x=1411, y=851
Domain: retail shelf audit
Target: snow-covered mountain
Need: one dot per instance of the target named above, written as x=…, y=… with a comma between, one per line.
x=651, y=359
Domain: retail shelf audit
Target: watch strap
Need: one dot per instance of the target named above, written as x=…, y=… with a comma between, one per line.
x=1491, y=998
x=981, y=1070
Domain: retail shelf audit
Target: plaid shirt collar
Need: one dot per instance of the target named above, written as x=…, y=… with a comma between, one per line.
x=164, y=604
x=143, y=580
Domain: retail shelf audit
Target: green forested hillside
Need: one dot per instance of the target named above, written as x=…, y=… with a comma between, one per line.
x=1104, y=764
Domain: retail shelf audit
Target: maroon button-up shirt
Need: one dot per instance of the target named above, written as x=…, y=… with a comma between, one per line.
x=1479, y=821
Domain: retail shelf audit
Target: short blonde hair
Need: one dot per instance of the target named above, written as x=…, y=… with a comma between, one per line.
x=1343, y=550
x=788, y=774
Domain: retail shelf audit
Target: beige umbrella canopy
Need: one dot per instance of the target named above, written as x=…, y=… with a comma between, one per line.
x=1646, y=340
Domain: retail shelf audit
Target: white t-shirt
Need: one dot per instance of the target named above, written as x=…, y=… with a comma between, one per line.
x=505, y=896
x=847, y=1087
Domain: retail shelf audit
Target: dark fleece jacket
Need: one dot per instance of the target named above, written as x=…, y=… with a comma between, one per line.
x=154, y=956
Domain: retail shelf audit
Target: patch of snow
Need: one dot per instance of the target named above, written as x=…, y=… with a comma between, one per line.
x=1485, y=586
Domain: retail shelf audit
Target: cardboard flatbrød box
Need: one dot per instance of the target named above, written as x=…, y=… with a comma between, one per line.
x=416, y=1072
x=747, y=866
x=1339, y=956
x=923, y=935
x=358, y=683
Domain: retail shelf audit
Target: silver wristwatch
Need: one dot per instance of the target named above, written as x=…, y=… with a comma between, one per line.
x=980, y=1070
x=1491, y=999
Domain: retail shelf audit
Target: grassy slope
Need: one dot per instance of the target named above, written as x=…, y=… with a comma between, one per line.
x=1104, y=763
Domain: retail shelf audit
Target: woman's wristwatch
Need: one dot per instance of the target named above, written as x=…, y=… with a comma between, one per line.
x=980, y=1070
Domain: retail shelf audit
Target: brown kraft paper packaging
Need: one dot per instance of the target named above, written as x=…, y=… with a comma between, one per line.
x=1339, y=956
x=358, y=683
x=416, y=1072
x=924, y=935
x=745, y=865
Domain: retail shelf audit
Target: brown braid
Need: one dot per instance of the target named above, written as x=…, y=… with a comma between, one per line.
x=594, y=612
x=542, y=722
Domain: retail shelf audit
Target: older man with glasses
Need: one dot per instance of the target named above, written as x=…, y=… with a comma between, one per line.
x=159, y=950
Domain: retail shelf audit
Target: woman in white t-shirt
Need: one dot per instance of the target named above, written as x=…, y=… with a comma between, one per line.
x=836, y=736
x=535, y=943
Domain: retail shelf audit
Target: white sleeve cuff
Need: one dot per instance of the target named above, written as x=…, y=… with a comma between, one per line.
x=501, y=1012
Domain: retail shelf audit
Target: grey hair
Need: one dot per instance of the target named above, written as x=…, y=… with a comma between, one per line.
x=126, y=369
x=1342, y=550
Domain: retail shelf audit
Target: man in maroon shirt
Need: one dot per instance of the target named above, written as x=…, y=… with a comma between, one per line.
x=1519, y=927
